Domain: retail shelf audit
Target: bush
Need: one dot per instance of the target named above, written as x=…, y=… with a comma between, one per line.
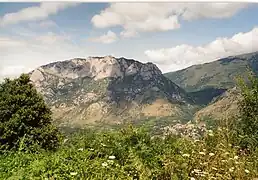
x=25, y=120
x=247, y=127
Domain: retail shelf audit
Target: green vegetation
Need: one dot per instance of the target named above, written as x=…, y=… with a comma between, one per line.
x=132, y=153
x=25, y=120
x=248, y=125
x=206, y=81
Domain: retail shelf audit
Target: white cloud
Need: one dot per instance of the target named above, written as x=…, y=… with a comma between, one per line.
x=151, y=17
x=47, y=24
x=108, y=38
x=182, y=56
x=24, y=53
x=41, y=12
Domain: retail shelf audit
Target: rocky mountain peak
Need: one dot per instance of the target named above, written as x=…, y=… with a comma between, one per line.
x=97, y=68
x=104, y=87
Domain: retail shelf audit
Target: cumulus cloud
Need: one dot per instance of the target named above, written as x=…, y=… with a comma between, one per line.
x=182, y=56
x=41, y=12
x=152, y=17
x=107, y=38
x=47, y=24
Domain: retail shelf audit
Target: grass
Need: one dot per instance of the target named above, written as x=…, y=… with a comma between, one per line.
x=133, y=154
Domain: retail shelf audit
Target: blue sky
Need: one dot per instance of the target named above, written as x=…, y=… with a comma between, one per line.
x=172, y=35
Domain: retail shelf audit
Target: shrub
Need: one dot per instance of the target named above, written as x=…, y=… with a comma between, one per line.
x=247, y=127
x=25, y=119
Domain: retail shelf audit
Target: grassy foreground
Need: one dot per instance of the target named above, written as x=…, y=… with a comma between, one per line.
x=133, y=154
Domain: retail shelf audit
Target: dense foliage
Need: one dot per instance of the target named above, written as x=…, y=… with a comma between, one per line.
x=25, y=120
x=248, y=125
x=133, y=153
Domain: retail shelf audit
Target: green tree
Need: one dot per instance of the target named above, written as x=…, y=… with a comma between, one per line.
x=248, y=125
x=25, y=119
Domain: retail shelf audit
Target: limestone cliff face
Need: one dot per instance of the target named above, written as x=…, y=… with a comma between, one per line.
x=107, y=89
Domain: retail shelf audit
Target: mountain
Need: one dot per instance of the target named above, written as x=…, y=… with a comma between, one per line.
x=108, y=90
x=209, y=80
x=222, y=107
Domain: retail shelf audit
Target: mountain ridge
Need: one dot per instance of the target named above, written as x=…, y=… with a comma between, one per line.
x=106, y=89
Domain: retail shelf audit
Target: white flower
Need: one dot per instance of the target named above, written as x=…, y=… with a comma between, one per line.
x=236, y=157
x=192, y=178
x=197, y=170
x=112, y=157
x=104, y=164
x=247, y=171
x=202, y=153
x=91, y=149
x=65, y=140
x=73, y=173
x=211, y=154
x=80, y=149
x=231, y=169
x=186, y=155
x=103, y=145
x=211, y=134
x=110, y=161
x=210, y=131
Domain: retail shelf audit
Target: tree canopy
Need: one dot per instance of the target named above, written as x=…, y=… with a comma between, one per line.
x=25, y=119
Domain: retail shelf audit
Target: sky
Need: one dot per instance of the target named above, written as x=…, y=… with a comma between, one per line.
x=171, y=35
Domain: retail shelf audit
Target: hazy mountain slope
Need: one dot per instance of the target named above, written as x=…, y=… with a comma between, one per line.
x=206, y=81
x=219, y=74
x=225, y=106
x=108, y=90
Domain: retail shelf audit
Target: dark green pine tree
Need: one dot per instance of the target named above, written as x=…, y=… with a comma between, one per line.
x=25, y=119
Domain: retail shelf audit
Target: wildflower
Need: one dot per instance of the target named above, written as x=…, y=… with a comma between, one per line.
x=104, y=164
x=110, y=161
x=231, y=169
x=186, y=155
x=211, y=134
x=236, y=157
x=210, y=131
x=80, y=149
x=104, y=145
x=192, y=178
x=247, y=171
x=73, y=173
x=91, y=149
x=196, y=170
x=211, y=154
x=112, y=157
x=65, y=140
x=202, y=153
x=214, y=168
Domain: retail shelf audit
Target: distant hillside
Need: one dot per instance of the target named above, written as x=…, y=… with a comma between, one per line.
x=225, y=106
x=108, y=90
x=206, y=81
